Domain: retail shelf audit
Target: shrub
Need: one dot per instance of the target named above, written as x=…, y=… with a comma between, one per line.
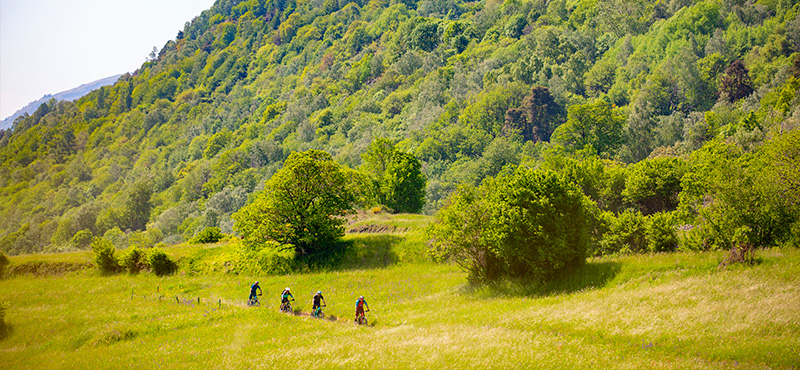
x=134, y=260
x=632, y=232
x=104, y=258
x=81, y=239
x=627, y=234
x=661, y=234
x=208, y=235
x=531, y=224
x=160, y=262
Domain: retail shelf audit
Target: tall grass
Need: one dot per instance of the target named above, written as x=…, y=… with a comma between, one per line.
x=668, y=311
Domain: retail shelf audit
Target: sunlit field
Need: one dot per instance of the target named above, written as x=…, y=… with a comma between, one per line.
x=667, y=311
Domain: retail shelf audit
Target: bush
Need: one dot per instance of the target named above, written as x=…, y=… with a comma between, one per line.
x=134, y=260
x=632, y=232
x=661, y=234
x=81, y=239
x=104, y=258
x=528, y=224
x=160, y=262
x=627, y=234
x=208, y=235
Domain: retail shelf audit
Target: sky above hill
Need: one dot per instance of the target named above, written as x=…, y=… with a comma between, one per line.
x=48, y=46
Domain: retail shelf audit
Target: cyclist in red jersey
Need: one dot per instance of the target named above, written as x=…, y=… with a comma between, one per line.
x=360, y=304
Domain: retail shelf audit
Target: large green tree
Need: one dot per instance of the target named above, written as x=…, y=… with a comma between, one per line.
x=597, y=124
x=302, y=205
x=529, y=224
x=397, y=176
x=404, y=184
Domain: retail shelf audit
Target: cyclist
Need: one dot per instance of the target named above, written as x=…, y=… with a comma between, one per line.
x=360, y=303
x=253, y=289
x=317, y=298
x=285, y=297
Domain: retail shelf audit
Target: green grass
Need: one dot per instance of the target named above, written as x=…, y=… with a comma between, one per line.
x=664, y=311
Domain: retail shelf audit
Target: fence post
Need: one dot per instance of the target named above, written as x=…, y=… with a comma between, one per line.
x=198, y=300
x=176, y=300
x=219, y=302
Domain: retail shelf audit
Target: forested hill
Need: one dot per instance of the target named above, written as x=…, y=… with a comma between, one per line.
x=467, y=87
x=70, y=94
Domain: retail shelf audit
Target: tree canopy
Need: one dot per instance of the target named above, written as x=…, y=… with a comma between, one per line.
x=303, y=205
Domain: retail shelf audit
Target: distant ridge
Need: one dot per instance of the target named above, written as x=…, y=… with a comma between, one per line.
x=71, y=94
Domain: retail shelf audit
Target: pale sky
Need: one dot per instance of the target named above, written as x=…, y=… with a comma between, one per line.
x=49, y=46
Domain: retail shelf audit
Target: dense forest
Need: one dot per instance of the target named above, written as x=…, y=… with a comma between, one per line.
x=677, y=118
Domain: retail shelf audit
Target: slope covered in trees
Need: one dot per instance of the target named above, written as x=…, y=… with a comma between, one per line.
x=466, y=87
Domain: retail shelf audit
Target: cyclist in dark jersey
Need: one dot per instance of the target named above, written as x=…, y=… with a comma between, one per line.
x=360, y=304
x=253, y=289
x=285, y=297
x=317, y=299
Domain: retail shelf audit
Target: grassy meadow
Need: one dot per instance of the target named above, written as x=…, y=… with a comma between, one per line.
x=663, y=311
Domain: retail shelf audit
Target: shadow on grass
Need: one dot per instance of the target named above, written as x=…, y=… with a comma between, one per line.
x=589, y=276
x=362, y=252
x=5, y=331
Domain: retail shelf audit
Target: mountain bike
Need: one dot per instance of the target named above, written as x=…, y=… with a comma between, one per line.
x=318, y=312
x=287, y=307
x=254, y=302
x=361, y=319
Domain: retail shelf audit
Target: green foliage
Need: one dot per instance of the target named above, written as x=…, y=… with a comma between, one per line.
x=82, y=239
x=216, y=143
x=403, y=185
x=528, y=224
x=103, y=252
x=397, y=176
x=597, y=125
x=632, y=232
x=468, y=87
x=160, y=262
x=138, y=205
x=208, y=235
x=726, y=190
x=653, y=185
x=301, y=205
x=134, y=260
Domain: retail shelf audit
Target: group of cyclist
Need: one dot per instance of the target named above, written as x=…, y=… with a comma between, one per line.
x=318, y=300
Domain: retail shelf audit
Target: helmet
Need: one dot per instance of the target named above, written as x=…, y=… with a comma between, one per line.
x=319, y=292
x=287, y=288
x=362, y=297
x=256, y=283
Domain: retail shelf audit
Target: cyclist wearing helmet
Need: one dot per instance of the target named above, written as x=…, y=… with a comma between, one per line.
x=317, y=298
x=285, y=297
x=253, y=289
x=360, y=303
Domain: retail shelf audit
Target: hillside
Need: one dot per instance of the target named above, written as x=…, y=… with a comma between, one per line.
x=67, y=95
x=468, y=88
x=661, y=311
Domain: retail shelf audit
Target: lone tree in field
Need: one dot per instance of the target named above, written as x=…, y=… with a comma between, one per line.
x=301, y=205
